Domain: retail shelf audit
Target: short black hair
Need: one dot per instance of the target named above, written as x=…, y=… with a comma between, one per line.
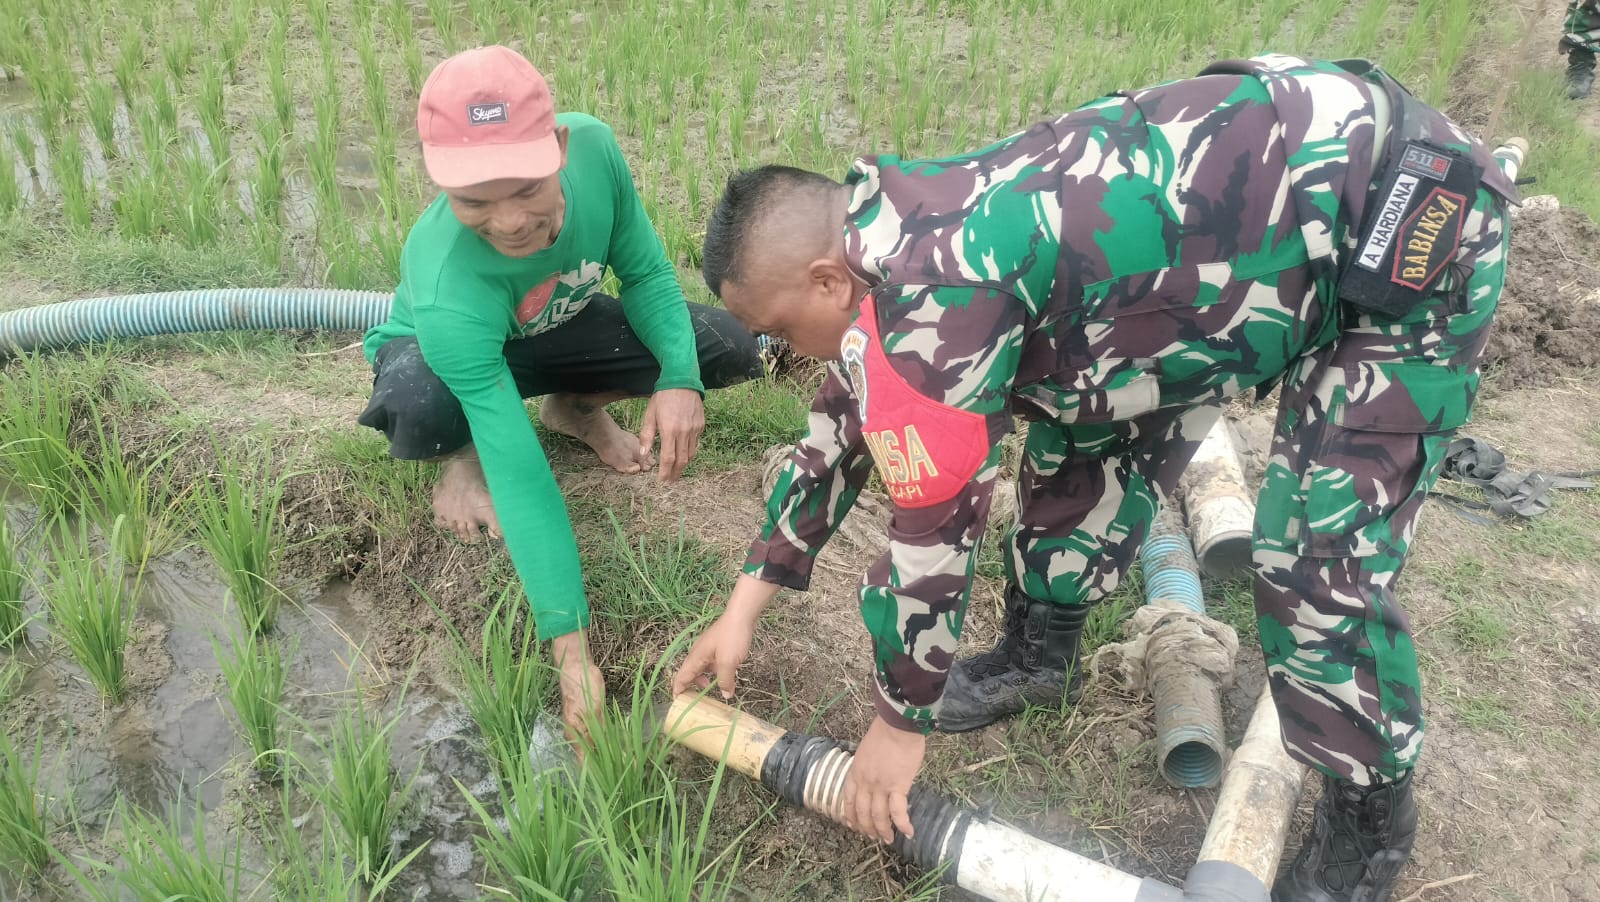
x=750, y=195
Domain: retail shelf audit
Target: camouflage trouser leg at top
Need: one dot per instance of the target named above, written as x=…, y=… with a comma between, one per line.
x=1582, y=16
x=1087, y=494
x=1361, y=430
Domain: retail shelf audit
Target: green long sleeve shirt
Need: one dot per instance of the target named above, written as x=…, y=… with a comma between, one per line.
x=463, y=300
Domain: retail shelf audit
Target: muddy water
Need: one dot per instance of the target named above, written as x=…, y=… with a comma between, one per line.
x=172, y=742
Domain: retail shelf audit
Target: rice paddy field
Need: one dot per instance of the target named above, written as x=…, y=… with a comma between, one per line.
x=237, y=661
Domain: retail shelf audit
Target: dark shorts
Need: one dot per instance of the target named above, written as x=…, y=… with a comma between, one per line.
x=596, y=352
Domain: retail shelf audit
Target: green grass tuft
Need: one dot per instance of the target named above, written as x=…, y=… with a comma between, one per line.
x=36, y=413
x=660, y=576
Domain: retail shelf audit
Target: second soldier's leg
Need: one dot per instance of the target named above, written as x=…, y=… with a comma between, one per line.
x=1583, y=18
x=1086, y=496
x=1361, y=433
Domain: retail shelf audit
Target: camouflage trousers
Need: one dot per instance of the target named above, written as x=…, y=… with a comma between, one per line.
x=1361, y=428
x=1583, y=16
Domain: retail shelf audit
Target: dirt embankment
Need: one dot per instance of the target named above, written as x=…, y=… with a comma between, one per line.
x=1549, y=320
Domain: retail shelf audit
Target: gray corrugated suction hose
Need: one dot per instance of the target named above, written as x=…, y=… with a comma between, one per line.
x=70, y=323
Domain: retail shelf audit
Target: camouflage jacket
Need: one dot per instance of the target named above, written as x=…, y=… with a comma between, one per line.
x=1150, y=249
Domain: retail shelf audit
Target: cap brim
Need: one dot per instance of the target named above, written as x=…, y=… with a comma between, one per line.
x=459, y=167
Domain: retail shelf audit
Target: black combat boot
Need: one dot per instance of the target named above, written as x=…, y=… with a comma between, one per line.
x=1580, y=74
x=1359, y=841
x=1028, y=667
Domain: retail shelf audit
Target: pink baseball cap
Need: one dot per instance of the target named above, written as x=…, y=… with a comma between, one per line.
x=486, y=114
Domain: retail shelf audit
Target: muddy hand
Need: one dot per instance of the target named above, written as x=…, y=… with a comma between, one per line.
x=879, y=784
x=678, y=415
x=583, y=688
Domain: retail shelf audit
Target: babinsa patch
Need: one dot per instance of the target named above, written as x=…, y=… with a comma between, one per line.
x=1412, y=228
x=1429, y=239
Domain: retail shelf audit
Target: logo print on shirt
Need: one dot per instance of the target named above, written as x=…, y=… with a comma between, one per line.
x=534, y=302
x=487, y=113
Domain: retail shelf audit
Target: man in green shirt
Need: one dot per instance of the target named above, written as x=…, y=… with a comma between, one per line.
x=499, y=301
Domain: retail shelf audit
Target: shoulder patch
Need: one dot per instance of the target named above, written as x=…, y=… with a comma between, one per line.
x=853, y=353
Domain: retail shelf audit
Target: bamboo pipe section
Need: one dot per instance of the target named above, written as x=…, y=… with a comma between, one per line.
x=989, y=859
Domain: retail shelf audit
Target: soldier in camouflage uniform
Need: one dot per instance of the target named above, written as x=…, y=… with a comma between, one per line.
x=1580, y=41
x=1112, y=276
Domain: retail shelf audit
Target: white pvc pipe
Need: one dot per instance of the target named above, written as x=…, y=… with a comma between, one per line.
x=1219, y=505
x=998, y=862
x=1257, y=799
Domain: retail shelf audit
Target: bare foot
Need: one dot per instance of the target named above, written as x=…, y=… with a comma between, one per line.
x=590, y=423
x=461, y=501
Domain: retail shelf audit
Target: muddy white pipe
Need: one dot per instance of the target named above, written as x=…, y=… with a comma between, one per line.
x=1220, y=507
x=1239, y=857
x=1237, y=861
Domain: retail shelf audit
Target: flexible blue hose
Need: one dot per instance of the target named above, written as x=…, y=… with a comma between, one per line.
x=206, y=310
x=1189, y=733
x=1171, y=571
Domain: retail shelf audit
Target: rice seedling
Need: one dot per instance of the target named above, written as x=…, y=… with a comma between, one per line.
x=317, y=873
x=141, y=195
x=77, y=192
x=24, y=834
x=100, y=102
x=27, y=147
x=129, y=63
x=162, y=112
x=505, y=683
x=177, y=50
x=35, y=425
x=442, y=14
x=539, y=852
x=363, y=794
x=132, y=502
x=158, y=864
x=11, y=676
x=210, y=111
x=236, y=514
x=12, y=578
x=205, y=12
x=255, y=675
x=91, y=607
x=236, y=39
x=278, y=76
x=320, y=12
x=266, y=190
x=197, y=215
x=666, y=856
x=10, y=191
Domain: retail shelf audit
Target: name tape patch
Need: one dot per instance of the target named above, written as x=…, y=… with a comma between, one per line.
x=487, y=113
x=1388, y=222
